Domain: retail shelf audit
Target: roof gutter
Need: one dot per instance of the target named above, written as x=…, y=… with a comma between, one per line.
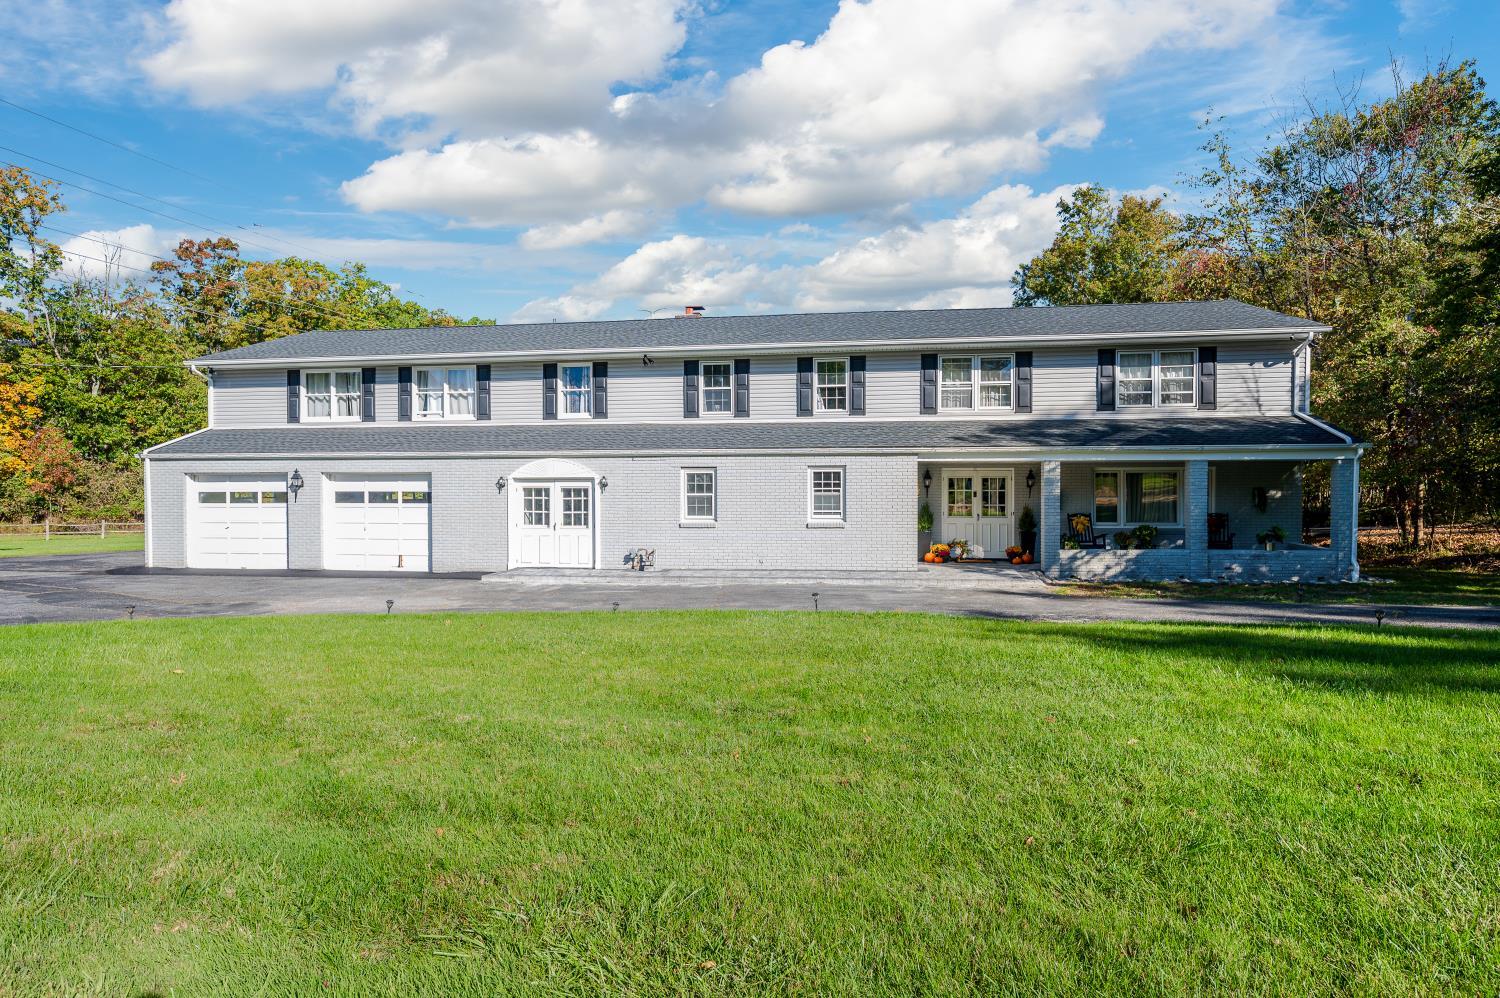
x=758, y=349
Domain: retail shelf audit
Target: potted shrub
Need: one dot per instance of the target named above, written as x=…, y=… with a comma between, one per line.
x=924, y=528
x=1145, y=536
x=1270, y=538
x=1124, y=540
x=1026, y=527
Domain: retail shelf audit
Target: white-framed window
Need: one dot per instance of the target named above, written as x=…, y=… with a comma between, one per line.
x=831, y=384
x=575, y=389
x=1135, y=379
x=825, y=494
x=982, y=382
x=1128, y=497
x=332, y=395
x=700, y=494
x=1177, y=381
x=718, y=387
x=536, y=505
x=575, y=505
x=1157, y=378
x=443, y=393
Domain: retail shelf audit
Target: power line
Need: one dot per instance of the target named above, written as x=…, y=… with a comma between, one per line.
x=110, y=142
x=316, y=306
x=149, y=197
x=178, y=304
x=137, y=207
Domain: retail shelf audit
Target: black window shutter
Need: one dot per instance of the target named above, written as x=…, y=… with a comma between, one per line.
x=929, y=383
x=804, y=386
x=1208, y=377
x=367, y=394
x=601, y=389
x=1023, y=381
x=742, y=388
x=689, y=389
x=482, y=391
x=549, y=391
x=1106, y=397
x=403, y=394
x=857, y=386
x=294, y=396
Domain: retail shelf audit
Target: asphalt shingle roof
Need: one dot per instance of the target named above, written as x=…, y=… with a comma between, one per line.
x=754, y=330
x=696, y=436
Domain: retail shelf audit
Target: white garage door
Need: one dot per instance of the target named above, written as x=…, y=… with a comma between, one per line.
x=237, y=522
x=377, y=524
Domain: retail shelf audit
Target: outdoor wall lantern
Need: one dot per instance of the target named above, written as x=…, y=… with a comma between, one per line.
x=295, y=483
x=500, y=484
x=603, y=482
x=1030, y=480
x=926, y=480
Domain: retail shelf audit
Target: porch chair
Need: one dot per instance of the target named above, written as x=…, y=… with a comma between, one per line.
x=1219, y=537
x=1081, y=529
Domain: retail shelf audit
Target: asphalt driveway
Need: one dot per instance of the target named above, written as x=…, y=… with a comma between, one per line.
x=112, y=586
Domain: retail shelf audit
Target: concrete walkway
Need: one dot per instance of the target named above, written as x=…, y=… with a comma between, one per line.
x=105, y=586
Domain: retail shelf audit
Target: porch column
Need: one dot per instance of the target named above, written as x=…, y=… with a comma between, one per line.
x=1049, y=522
x=1196, y=517
x=1344, y=517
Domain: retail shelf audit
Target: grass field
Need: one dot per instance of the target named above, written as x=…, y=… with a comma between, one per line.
x=32, y=545
x=1398, y=585
x=708, y=803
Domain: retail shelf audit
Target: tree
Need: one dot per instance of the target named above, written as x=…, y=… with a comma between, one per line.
x=1103, y=253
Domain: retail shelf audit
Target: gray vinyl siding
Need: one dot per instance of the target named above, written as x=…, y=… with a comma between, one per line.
x=762, y=511
x=248, y=398
x=1255, y=379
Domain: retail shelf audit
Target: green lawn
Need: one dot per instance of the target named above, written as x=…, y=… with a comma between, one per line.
x=1398, y=585
x=773, y=803
x=31, y=545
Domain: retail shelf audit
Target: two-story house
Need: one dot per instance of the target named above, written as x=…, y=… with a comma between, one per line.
x=806, y=442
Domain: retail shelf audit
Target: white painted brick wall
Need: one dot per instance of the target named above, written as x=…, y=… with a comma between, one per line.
x=762, y=522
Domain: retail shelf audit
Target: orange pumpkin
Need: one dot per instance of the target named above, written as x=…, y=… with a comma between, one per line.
x=928, y=557
x=1015, y=561
x=1027, y=559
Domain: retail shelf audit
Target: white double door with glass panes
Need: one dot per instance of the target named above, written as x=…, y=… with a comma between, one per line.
x=552, y=524
x=976, y=510
x=236, y=522
x=377, y=524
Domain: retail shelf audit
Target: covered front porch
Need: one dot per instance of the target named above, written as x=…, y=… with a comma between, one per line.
x=1228, y=518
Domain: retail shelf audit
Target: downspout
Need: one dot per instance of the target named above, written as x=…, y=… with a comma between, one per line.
x=209, y=381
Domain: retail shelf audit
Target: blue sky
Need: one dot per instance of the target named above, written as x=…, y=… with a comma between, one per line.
x=582, y=158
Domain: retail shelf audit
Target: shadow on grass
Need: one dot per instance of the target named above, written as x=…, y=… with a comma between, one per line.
x=1343, y=658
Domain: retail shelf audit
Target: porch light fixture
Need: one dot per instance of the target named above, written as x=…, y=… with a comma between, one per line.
x=603, y=482
x=295, y=483
x=500, y=484
x=1030, y=481
x=926, y=480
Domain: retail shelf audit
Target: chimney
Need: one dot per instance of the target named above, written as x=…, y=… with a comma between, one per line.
x=691, y=311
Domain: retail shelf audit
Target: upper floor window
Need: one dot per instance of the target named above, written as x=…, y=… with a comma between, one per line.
x=832, y=385
x=989, y=380
x=330, y=395
x=575, y=384
x=444, y=392
x=718, y=387
x=1157, y=377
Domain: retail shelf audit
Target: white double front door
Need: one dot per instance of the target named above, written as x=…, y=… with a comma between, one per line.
x=976, y=509
x=552, y=524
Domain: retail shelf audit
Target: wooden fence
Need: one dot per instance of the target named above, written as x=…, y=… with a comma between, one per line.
x=48, y=530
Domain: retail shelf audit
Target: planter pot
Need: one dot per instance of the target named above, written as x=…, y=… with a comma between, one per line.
x=1028, y=542
x=1270, y=545
x=924, y=542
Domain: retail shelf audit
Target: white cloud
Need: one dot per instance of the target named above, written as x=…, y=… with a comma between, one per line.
x=507, y=116
x=466, y=65
x=599, y=228
x=117, y=253
x=965, y=261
